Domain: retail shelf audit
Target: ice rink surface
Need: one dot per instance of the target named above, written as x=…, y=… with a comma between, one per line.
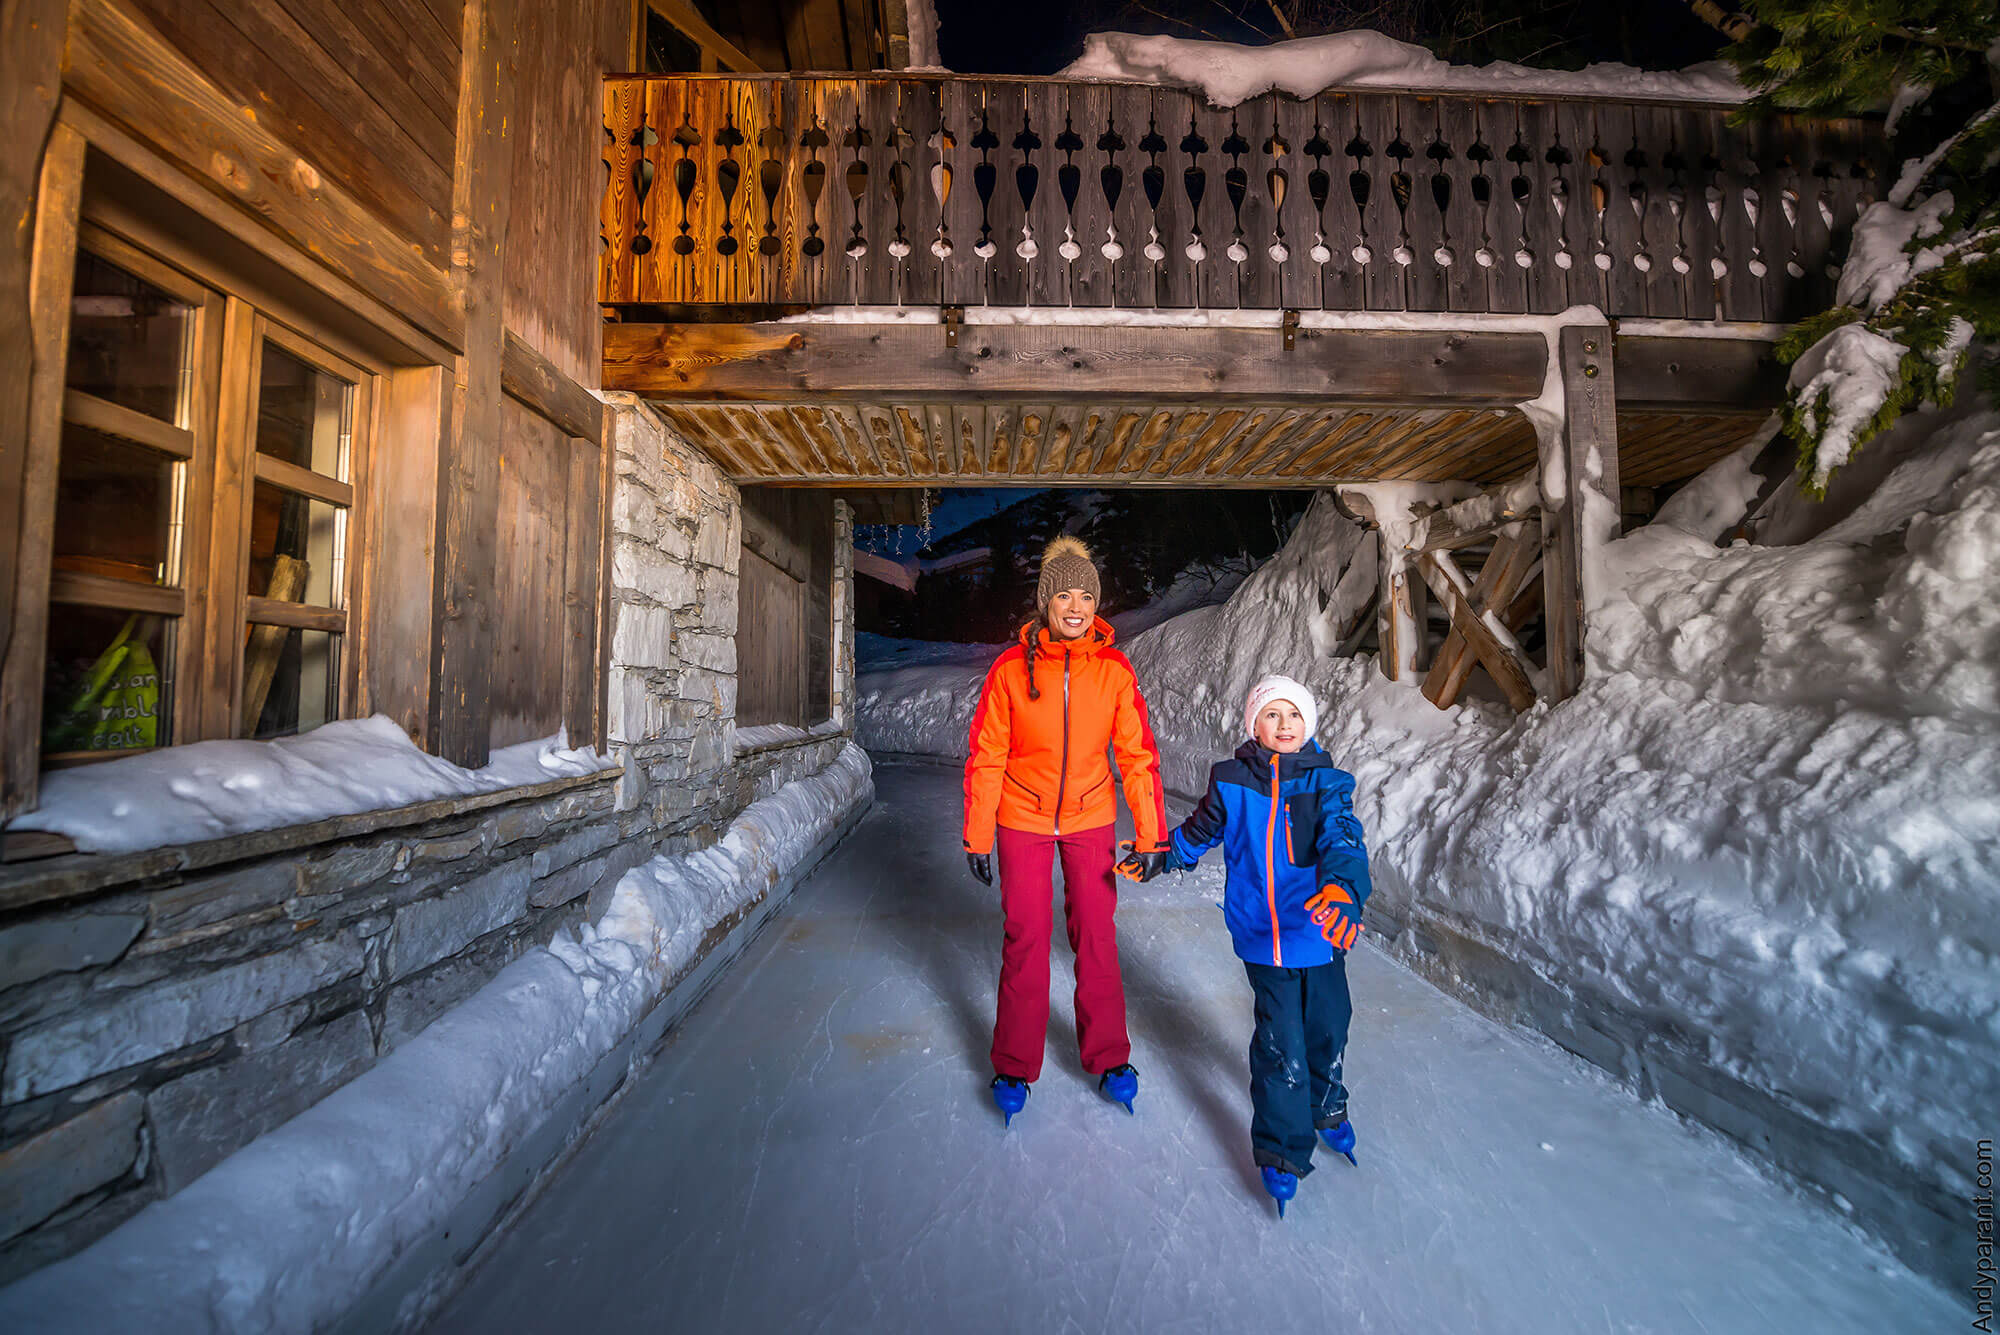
x=814, y=1150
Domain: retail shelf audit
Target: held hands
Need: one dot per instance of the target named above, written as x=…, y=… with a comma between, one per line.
x=1143, y=867
x=982, y=866
x=1337, y=916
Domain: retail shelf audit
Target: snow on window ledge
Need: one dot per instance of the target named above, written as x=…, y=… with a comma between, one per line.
x=773, y=736
x=223, y=790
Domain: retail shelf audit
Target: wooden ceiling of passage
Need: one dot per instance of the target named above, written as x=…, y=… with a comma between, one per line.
x=1267, y=445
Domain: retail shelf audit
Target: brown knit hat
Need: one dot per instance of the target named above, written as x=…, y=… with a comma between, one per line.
x=1065, y=565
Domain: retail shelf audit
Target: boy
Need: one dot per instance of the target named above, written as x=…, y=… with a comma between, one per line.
x=1297, y=880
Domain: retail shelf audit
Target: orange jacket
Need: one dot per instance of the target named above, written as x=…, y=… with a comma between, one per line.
x=1039, y=764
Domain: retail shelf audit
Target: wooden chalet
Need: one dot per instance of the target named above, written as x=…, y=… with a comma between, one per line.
x=503, y=367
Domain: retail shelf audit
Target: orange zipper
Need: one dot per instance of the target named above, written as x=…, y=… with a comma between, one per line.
x=1271, y=869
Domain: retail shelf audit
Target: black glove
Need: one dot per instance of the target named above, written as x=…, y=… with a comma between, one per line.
x=982, y=866
x=1143, y=867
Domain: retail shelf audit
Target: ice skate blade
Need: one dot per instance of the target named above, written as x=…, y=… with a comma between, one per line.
x=1281, y=1209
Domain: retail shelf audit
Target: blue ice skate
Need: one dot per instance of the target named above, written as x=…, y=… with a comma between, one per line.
x=1340, y=1139
x=1282, y=1186
x=1120, y=1084
x=1010, y=1095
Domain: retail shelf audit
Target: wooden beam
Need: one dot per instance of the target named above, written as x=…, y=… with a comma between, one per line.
x=31, y=65
x=131, y=74
x=1579, y=490
x=468, y=479
x=1731, y=375
x=779, y=362
x=1477, y=518
x=696, y=29
x=1398, y=632
x=28, y=475
x=1514, y=561
x=582, y=545
x=540, y=383
x=1498, y=652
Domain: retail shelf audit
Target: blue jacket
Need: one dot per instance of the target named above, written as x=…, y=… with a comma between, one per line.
x=1287, y=828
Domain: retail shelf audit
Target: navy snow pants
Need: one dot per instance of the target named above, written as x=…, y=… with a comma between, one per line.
x=1295, y=1058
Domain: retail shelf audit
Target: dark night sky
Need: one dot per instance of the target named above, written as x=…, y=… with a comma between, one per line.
x=1041, y=36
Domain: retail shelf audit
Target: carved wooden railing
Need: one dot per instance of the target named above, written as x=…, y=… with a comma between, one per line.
x=941, y=191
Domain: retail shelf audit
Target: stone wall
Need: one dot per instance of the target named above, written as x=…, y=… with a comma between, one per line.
x=159, y=1010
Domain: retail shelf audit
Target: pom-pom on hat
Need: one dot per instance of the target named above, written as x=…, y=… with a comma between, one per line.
x=1277, y=687
x=1066, y=564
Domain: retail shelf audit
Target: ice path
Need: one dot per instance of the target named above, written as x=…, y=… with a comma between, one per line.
x=814, y=1151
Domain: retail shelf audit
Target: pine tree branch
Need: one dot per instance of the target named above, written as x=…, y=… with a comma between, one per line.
x=1283, y=22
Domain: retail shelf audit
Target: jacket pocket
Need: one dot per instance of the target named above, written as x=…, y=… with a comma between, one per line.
x=1032, y=795
x=1302, y=829
x=1084, y=799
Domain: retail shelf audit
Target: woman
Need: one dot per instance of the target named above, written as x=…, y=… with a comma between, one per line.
x=1038, y=785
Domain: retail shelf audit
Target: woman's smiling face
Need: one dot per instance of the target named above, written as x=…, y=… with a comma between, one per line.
x=1070, y=613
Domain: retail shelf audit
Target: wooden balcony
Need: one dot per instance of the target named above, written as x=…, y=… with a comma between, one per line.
x=766, y=193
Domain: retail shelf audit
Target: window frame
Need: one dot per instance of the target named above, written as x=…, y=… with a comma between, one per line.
x=217, y=469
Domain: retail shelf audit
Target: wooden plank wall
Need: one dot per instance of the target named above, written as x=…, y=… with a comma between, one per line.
x=367, y=88
x=558, y=149
x=784, y=645
x=422, y=176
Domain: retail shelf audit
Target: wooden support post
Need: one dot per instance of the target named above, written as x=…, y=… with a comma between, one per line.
x=31, y=57
x=468, y=477
x=1495, y=646
x=1515, y=559
x=1397, y=632
x=583, y=547
x=31, y=381
x=1579, y=495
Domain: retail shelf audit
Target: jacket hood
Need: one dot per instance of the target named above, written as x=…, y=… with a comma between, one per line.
x=1035, y=635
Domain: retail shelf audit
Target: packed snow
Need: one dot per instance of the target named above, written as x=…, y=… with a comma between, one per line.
x=290, y=1230
x=1227, y=74
x=816, y=1150
x=206, y=790
x=1771, y=817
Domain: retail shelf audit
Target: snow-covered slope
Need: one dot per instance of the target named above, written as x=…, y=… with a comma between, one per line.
x=1770, y=820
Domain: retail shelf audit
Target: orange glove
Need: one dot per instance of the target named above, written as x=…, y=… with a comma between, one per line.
x=1337, y=916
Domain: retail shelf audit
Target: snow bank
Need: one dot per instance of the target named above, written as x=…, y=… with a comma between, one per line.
x=1770, y=821
x=283, y=1235
x=184, y=794
x=1228, y=74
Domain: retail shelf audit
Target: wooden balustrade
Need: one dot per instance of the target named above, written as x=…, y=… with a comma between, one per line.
x=934, y=191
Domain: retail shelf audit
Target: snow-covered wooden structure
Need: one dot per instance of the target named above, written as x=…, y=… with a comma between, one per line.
x=918, y=280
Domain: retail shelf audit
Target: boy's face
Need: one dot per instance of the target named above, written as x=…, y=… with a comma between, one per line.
x=1281, y=728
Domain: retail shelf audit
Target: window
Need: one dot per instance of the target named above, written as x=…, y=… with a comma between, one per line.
x=204, y=494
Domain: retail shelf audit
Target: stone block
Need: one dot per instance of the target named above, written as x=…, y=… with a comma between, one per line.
x=431, y=929
x=712, y=747
x=517, y=823
x=44, y=1173
x=211, y=899
x=450, y=847
x=716, y=653
x=572, y=848
x=145, y=1022
x=200, y=1119
x=718, y=601
x=409, y=1007
x=40, y=947
x=711, y=544
x=589, y=877
x=642, y=636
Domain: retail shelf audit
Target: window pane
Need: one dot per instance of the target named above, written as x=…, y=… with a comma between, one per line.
x=296, y=547
x=115, y=509
x=107, y=687
x=128, y=340
x=304, y=415
x=291, y=680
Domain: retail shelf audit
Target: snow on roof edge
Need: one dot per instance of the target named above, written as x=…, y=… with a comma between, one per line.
x=1362, y=59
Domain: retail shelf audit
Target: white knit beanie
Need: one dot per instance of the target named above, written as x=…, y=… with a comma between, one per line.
x=1276, y=687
